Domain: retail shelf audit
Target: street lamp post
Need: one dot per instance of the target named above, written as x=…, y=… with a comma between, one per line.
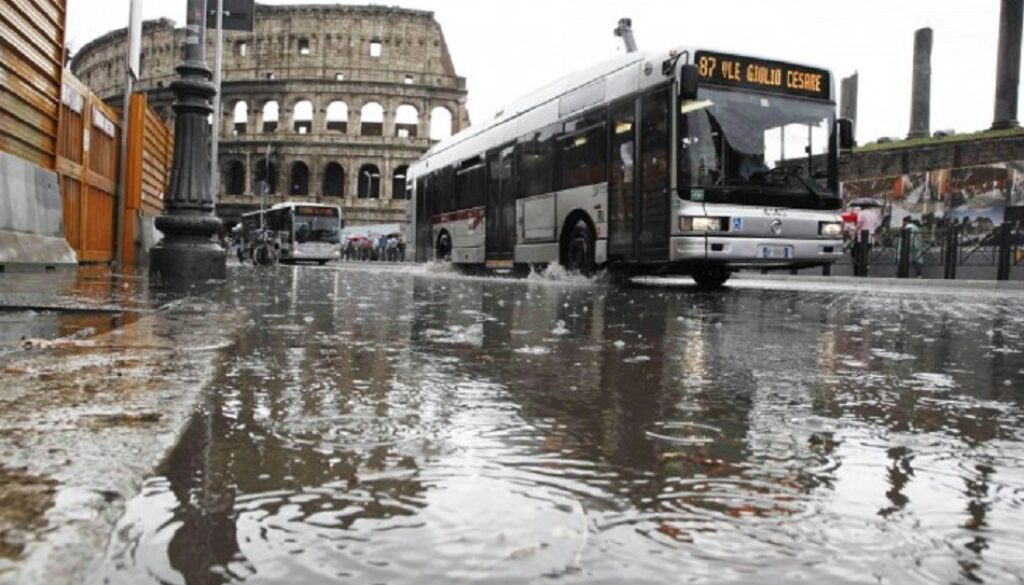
x=188, y=253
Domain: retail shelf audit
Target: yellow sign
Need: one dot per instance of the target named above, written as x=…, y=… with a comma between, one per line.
x=722, y=69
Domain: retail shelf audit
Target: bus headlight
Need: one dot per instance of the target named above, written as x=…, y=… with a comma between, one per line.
x=830, y=228
x=702, y=224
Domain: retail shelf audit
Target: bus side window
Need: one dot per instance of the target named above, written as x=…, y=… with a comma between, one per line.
x=583, y=152
x=535, y=154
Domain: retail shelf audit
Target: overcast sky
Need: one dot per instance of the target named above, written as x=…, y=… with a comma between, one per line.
x=506, y=48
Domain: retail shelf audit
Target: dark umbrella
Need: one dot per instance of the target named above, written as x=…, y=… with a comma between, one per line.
x=864, y=202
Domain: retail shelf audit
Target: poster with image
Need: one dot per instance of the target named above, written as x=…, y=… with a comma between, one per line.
x=977, y=196
x=1017, y=188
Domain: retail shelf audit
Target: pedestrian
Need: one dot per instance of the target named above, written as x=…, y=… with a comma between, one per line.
x=916, y=252
x=868, y=219
x=367, y=249
x=392, y=248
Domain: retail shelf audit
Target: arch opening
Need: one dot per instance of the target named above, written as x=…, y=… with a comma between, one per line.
x=271, y=114
x=440, y=123
x=334, y=180
x=265, y=177
x=337, y=117
x=302, y=117
x=369, y=182
x=299, y=184
x=371, y=119
x=407, y=121
x=241, y=118
x=398, y=183
x=234, y=178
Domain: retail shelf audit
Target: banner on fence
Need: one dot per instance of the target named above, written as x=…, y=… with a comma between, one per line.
x=977, y=198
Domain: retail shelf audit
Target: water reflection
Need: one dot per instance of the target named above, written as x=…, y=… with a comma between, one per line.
x=411, y=428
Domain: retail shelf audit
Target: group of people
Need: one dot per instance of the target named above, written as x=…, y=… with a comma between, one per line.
x=386, y=248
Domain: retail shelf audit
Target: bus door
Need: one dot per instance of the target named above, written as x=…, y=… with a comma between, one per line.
x=654, y=166
x=501, y=205
x=424, y=233
x=623, y=203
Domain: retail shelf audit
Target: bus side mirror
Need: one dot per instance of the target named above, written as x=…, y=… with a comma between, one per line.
x=688, y=82
x=846, y=136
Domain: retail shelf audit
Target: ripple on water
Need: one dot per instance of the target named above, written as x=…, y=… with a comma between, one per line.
x=684, y=433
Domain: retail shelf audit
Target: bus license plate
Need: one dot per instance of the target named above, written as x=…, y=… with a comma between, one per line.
x=774, y=252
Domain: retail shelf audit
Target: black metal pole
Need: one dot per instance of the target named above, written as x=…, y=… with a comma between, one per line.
x=1005, y=247
x=952, y=256
x=863, y=253
x=188, y=253
x=903, y=269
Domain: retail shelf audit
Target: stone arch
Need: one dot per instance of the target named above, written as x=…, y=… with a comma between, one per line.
x=398, y=182
x=369, y=182
x=261, y=175
x=337, y=116
x=233, y=181
x=407, y=121
x=240, y=115
x=302, y=117
x=441, y=123
x=371, y=117
x=299, y=183
x=271, y=116
x=334, y=180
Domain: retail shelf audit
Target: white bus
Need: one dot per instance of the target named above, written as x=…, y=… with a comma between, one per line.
x=302, y=232
x=683, y=162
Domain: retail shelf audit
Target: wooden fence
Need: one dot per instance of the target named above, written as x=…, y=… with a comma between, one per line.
x=88, y=158
x=31, y=67
x=150, y=155
x=88, y=153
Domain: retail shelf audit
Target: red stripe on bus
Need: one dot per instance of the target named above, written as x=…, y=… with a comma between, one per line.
x=475, y=214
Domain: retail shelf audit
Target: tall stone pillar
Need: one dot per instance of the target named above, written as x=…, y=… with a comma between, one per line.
x=188, y=253
x=1011, y=19
x=921, y=98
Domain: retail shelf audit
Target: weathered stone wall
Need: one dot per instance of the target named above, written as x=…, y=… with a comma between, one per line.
x=323, y=55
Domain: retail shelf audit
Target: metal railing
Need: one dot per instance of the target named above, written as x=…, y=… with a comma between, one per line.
x=948, y=247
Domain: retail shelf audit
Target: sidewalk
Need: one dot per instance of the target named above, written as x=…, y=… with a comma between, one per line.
x=887, y=283
x=99, y=375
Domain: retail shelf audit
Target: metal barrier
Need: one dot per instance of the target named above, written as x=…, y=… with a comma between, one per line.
x=949, y=247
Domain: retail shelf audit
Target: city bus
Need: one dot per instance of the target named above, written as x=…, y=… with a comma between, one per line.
x=302, y=232
x=687, y=162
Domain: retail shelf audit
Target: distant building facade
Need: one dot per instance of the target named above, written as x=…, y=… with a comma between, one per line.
x=344, y=98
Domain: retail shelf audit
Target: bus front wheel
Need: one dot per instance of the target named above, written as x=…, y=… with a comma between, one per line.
x=444, y=248
x=579, y=252
x=711, y=278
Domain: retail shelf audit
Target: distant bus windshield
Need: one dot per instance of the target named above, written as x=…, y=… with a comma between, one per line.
x=731, y=140
x=317, y=229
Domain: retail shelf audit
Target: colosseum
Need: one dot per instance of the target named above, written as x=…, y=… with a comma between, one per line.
x=326, y=103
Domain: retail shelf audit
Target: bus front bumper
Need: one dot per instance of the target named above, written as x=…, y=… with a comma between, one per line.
x=743, y=252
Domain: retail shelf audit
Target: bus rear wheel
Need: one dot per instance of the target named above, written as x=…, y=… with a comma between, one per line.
x=711, y=278
x=579, y=249
x=443, y=253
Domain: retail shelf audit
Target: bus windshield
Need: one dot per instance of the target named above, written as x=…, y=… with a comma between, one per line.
x=751, y=148
x=317, y=229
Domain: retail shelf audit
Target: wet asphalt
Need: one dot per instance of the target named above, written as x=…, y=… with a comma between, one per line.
x=414, y=425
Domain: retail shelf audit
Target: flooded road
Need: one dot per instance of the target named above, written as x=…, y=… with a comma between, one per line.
x=421, y=427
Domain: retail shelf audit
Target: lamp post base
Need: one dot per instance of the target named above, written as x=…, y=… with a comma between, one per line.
x=188, y=260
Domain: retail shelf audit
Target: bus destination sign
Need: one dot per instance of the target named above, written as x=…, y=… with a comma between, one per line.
x=764, y=75
x=322, y=211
